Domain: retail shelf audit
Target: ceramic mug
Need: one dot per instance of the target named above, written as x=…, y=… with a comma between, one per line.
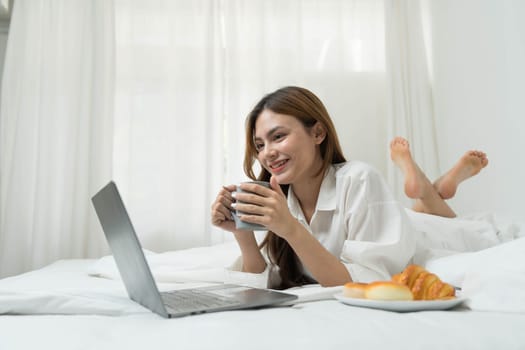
x=241, y=225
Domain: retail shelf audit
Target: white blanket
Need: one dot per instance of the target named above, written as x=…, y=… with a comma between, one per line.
x=89, y=304
x=64, y=307
x=69, y=286
x=492, y=280
x=203, y=264
x=64, y=287
x=318, y=325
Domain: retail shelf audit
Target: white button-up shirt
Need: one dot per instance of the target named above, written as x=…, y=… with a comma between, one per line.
x=356, y=219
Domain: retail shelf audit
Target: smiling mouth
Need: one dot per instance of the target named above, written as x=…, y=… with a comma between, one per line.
x=278, y=165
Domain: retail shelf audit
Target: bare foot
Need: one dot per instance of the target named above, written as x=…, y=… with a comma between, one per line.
x=414, y=178
x=469, y=165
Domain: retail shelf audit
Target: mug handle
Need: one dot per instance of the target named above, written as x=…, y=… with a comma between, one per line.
x=236, y=218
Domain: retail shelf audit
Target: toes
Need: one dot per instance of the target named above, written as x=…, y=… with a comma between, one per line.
x=401, y=140
x=398, y=140
x=479, y=156
x=476, y=153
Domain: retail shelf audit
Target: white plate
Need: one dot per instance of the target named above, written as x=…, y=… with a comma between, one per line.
x=401, y=306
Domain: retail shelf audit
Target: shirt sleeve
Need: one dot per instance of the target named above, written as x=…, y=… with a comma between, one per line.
x=380, y=238
x=266, y=279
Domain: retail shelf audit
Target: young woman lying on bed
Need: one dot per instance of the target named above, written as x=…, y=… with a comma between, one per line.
x=329, y=220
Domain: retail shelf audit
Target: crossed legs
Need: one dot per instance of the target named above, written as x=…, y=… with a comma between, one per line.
x=430, y=197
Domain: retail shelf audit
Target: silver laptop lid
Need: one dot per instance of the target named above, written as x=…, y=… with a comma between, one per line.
x=126, y=249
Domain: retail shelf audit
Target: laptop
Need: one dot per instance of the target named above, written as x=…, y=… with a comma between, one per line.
x=138, y=279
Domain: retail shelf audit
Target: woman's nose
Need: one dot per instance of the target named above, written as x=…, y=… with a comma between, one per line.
x=270, y=153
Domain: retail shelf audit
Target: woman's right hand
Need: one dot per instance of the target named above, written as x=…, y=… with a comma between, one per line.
x=221, y=209
x=221, y=216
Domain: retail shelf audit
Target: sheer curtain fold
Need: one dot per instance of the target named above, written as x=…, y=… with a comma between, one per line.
x=56, y=126
x=409, y=97
x=169, y=118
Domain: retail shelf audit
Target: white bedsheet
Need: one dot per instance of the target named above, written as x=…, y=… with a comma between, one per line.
x=62, y=307
x=325, y=324
x=190, y=265
x=319, y=325
x=492, y=279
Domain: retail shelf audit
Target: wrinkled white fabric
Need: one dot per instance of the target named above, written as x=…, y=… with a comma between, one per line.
x=358, y=220
x=492, y=280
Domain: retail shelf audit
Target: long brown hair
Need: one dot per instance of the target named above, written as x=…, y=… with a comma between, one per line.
x=303, y=105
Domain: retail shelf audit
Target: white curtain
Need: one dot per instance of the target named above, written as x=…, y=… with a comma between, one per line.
x=169, y=119
x=410, y=110
x=55, y=130
x=186, y=73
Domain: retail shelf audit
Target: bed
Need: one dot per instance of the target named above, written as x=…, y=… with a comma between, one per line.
x=82, y=304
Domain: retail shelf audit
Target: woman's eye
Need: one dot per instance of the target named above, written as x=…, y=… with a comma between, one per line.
x=278, y=136
x=258, y=146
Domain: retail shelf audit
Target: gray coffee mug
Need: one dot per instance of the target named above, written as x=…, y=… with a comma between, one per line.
x=241, y=225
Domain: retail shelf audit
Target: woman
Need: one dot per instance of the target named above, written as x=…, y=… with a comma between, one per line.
x=329, y=221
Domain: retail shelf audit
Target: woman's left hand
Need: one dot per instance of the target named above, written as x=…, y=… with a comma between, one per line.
x=267, y=207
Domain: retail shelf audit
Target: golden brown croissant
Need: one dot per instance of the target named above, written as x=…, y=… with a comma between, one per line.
x=380, y=290
x=424, y=284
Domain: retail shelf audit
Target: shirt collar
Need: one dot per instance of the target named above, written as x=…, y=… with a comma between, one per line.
x=327, y=195
x=326, y=200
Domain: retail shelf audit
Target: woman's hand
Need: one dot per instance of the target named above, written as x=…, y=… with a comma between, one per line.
x=267, y=207
x=221, y=215
x=221, y=211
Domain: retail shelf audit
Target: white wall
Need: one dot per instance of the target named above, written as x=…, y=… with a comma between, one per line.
x=479, y=71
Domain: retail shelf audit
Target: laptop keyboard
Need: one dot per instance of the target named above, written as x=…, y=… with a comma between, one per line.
x=192, y=299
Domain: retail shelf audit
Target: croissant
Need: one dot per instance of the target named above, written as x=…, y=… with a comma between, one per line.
x=380, y=290
x=424, y=284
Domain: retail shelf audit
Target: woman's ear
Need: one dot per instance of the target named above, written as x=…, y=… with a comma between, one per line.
x=318, y=132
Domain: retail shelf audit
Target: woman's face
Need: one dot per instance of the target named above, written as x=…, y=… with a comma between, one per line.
x=286, y=149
